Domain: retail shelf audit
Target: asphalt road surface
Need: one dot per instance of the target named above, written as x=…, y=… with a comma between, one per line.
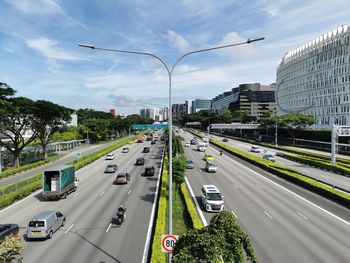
x=285, y=223
x=88, y=235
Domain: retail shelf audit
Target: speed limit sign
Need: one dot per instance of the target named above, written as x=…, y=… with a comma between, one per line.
x=168, y=242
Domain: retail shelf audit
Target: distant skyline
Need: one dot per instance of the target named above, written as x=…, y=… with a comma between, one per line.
x=40, y=57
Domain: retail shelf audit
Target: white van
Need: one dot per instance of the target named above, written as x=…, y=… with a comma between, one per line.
x=45, y=224
x=212, y=200
x=211, y=167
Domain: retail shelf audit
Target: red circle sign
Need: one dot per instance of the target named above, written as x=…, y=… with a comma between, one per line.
x=168, y=242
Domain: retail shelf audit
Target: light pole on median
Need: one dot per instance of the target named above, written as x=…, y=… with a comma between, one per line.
x=170, y=72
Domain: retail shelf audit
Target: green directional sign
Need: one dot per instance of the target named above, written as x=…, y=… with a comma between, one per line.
x=149, y=126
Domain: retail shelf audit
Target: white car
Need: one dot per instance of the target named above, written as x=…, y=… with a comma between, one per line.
x=110, y=156
x=201, y=148
x=255, y=149
x=125, y=150
x=187, y=144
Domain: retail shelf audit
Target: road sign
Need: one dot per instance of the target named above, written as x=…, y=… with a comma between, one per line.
x=77, y=154
x=264, y=151
x=168, y=242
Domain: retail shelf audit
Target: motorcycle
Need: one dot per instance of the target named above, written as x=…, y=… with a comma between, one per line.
x=121, y=215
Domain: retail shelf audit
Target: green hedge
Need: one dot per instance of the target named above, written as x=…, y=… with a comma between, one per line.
x=12, y=171
x=157, y=256
x=191, y=209
x=316, y=162
x=288, y=174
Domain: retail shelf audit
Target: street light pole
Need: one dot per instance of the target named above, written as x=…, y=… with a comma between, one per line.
x=170, y=73
x=276, y=140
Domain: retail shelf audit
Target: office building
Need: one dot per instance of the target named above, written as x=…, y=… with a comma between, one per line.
x=222, y=101
x=200, y=104
x=178, y=111
x=315, y=79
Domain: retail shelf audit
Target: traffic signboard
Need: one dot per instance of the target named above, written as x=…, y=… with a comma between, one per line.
x=264, y=151
x=168, y=242
x=77, y=154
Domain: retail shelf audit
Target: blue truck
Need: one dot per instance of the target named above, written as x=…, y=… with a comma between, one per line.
x=59, y=181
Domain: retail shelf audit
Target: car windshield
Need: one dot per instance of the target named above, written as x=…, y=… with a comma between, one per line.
x=189, y=162
x=110, y=166
x=214, y=197
x=121, y=176
x=36, y=223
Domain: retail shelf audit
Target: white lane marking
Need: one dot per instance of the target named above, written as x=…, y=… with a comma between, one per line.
x=150, y=226
x=302, y=216
x=108, y=227
x=129, y=192
x=69, y=229
x=76, y=194
x=266, y=213
x=195, y=201
x=102, y=193
x=234, y=214
x=291, y=192
x=236, y=186
x=258, y=186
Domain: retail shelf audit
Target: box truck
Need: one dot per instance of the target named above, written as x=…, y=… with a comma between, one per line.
x=59, y=181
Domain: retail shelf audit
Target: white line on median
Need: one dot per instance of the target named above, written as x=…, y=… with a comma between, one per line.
x=291, y=192
x=234, y=214
x=302, y=216
x=266, y=213
x=195, y=201
x=69, y=229
x=109, y=227
x=236, y=186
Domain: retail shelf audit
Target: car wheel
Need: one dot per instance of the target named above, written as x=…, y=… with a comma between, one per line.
x=50, y=235
x=63, y=222
x=65, y=195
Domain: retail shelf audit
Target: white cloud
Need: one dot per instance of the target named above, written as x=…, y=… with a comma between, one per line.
x=47, y=48
x=37, y=6
x=177, y=41
x=9, y=50
x=240, y=51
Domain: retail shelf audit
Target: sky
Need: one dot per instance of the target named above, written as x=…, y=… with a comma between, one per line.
x=40, y=57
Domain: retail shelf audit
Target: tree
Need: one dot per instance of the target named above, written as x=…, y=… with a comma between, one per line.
x=267, y=120
x=226, y=116
x=10, y=250
x=241, y=116
x=221, y=241
x=97, y=128
x=179, y=168
x=47, y=119
x=296, y=121
x=16, y=118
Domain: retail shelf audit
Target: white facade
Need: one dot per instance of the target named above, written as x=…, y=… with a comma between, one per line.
x=315, y=79
x=156, y=114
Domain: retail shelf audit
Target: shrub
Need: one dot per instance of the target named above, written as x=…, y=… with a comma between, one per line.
x=196, y=222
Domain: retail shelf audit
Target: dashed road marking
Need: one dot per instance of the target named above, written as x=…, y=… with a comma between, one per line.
x=302, y=216
x=108, y=227
x=102, y=193
x=234, y=214
x=266, y=213
x=69, y=229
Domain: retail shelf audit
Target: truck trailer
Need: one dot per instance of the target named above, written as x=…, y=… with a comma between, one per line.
x=59, y=181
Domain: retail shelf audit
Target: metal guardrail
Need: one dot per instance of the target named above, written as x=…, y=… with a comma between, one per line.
x=18, y=185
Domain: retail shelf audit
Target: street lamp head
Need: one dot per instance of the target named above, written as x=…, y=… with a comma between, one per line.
x=250, y=40
x=87, y=46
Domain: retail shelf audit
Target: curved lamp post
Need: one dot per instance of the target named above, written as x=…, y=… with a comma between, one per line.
x=170, y=72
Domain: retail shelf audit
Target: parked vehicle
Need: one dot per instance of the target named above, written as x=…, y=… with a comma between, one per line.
x=59, y=181
x=140, y=161
x=255, y=149
x=125, y=150
x=110, y=156
x=45, y=224
x=9, y=230
x=269, y=157
x=149, y=170
x=146, y=149
x=111, y=168
x=211, y=167
x=189, y=164
x=122, y=178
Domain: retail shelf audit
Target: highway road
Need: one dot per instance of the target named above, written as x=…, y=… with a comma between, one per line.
x=318, y=174
x=88, y=235
x=285, y=223
x=67, y=157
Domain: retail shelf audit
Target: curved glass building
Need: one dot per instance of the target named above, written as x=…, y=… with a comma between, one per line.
x=315, y=79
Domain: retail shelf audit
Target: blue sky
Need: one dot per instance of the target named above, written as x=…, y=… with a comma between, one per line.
x=40, y=58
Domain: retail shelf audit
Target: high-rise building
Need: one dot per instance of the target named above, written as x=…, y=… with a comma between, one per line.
x=255, y=98
x=315, y=79
x=188, y=106
x=178, y=110
x=156, y=114
x=222, y=102
x=113, y=112
x=200, y=104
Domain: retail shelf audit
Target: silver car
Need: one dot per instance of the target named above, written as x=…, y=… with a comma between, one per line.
x=45, y=224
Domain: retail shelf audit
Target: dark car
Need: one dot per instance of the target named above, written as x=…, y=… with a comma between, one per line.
x=111, y=168
x=122, y=178
x=193, y=141
x=8, y=230
x=225, y=140
x=149, y=170
x=189, y=164
x=153, y=142
x=140, y=161
x=146, y=150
